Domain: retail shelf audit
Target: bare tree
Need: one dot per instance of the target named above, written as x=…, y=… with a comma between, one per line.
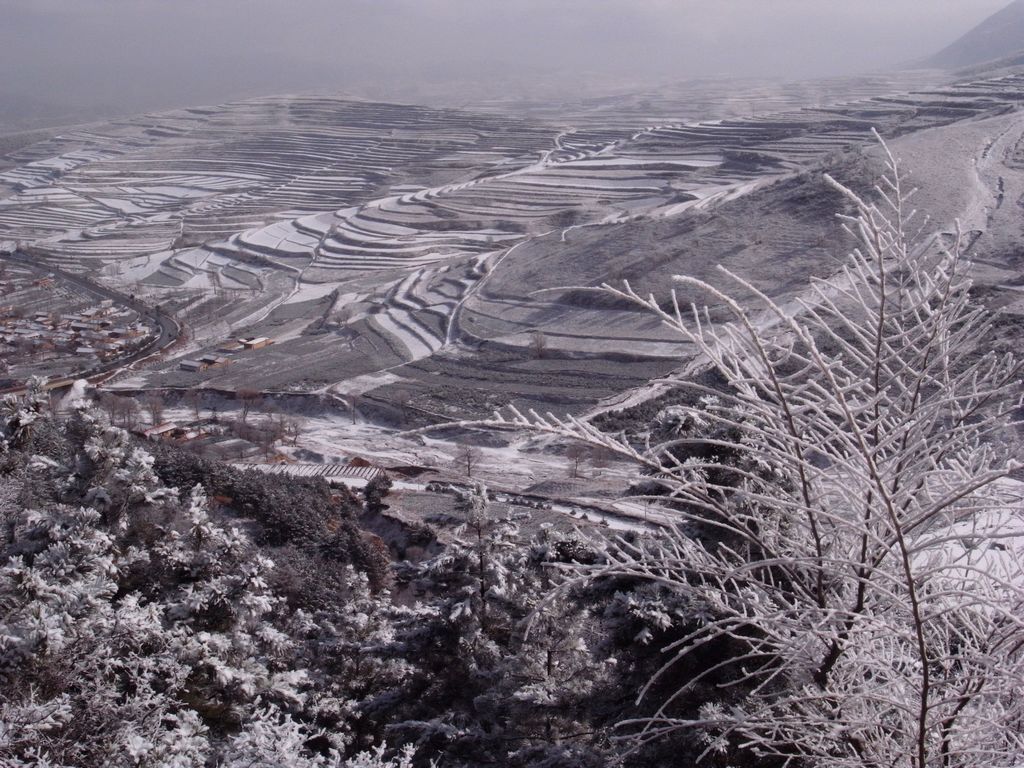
x=248, y=399
x=242, y=429
x=565, y=218
x=108, y=402
x=862, y=560
x=155, y=407
x=128, y=409
x=119, y=409
x=292, y=429
x=194, y=399
x=576, y=454
x=539, y=344
x=466, y=458
x=278, y=422
x=600, y=457
x=402, y=398
x=266, y=437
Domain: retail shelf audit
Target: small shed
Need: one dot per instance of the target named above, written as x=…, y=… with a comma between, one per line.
x=213, y=360
x=160, y=431
x=256, y=342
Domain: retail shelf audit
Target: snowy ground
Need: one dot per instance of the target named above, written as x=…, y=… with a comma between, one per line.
x=402, y=247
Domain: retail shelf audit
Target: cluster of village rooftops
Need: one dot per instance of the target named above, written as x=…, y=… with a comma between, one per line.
x=211, y=360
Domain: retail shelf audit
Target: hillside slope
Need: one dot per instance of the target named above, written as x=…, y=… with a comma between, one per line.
x=999, y=36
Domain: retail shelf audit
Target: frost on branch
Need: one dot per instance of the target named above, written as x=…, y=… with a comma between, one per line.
x=846, y=530
x=128, y=626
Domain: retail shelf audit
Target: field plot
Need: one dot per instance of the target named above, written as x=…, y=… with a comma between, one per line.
x=430, y=254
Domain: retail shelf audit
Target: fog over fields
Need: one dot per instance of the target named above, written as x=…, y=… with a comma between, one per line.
x=79, y=59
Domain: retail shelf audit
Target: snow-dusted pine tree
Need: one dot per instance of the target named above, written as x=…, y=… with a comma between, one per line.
x=136, y=629
x=861, y=602
x=481, y=691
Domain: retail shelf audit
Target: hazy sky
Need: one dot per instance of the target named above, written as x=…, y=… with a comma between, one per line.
x=151, y=53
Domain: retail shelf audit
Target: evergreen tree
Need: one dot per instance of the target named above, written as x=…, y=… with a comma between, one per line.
x=135, y=629
x=501, y=675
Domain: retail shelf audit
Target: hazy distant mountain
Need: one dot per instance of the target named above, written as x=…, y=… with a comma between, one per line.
x=999, y=36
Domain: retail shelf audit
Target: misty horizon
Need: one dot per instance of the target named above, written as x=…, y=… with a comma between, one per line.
x=110, y=56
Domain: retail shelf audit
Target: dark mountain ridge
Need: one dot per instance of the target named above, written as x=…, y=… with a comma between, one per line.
x=999, y=36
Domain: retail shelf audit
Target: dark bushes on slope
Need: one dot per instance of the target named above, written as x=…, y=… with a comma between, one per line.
x=297, y=512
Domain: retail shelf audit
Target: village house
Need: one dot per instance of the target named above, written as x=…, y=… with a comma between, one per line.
x=213, y=361
x=255, y=342
x=160, y=431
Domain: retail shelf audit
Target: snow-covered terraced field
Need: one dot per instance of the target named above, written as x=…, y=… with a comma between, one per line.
x=599, y=176
x=189, y=177
x=403, y=232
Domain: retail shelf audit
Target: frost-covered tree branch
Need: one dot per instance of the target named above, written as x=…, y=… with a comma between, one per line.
x=845, y=518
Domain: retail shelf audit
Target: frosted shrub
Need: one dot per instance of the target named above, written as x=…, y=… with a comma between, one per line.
x=130, y=621
x=862, y=598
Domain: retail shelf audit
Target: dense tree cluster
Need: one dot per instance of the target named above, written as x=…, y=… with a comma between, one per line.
x=138, y=628
x=143, y=623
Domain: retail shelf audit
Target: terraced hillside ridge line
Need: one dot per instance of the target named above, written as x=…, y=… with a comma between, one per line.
x=367, y=240
x=198, y=175
x=660, y=170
